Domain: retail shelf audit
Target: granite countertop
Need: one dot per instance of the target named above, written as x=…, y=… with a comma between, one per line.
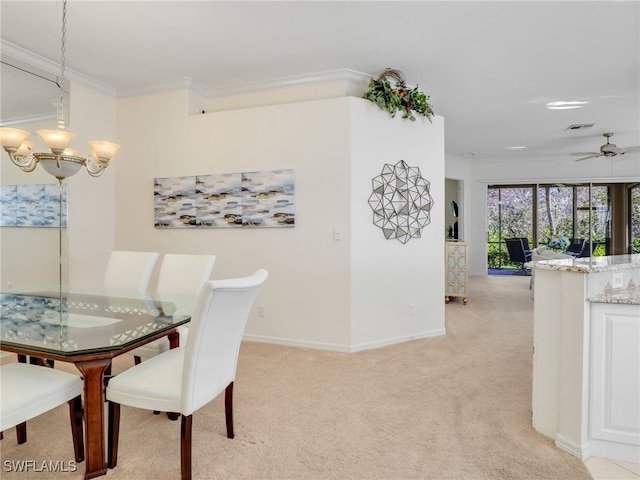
x=600, y=271
x=621, y=295
x=613, y=263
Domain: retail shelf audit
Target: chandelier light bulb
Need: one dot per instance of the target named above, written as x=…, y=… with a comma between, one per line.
x=71, y=152
x=56, y=140
x=103, y=151
x=25, y=149
x=12, y=138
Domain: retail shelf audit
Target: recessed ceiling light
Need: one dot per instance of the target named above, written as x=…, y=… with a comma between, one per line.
x=562, y=105
x=517, y=147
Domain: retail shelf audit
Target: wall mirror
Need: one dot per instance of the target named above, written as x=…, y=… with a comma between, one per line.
x=29, y=94
x=29, y=100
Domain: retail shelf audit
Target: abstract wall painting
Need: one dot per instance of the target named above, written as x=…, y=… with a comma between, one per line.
x=249, y=199
x=32, y=206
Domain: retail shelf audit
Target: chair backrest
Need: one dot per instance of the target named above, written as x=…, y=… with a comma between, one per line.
x=576, y=245
x=516, y=250
x=587, y=249
x=129, y=271
x=184, y=273
x=215, y=333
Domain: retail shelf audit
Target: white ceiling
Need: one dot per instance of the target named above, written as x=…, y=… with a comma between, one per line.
x=489, y=67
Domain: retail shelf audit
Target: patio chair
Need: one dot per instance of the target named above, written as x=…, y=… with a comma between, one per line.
x=519, y=251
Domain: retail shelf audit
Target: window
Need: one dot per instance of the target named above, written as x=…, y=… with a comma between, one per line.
x=552, y=215
x=509, y=214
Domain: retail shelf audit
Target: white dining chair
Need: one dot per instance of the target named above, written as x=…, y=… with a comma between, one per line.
x=28, y=391
x=129, y=271
x=186, y=379
x=180, y=274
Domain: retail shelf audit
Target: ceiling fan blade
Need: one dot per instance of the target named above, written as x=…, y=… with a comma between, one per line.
x=582, y=154
x=629, y=149
x=593, y=155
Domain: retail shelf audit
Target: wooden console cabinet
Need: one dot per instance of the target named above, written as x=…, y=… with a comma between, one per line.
x=456, y=281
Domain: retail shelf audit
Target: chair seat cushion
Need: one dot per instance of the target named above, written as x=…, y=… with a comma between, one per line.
x=154, y=384
x=31, y=390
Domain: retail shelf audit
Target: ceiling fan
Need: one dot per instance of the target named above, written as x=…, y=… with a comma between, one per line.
x=606, y=150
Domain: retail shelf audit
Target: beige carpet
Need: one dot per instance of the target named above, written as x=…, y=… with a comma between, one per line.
x=452, y=407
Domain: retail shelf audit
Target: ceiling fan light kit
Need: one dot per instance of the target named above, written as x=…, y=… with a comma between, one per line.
x=606, y=150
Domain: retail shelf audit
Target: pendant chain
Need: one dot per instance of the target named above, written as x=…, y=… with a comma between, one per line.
x=61, y=123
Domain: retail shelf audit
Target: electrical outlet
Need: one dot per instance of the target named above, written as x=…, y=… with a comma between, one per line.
x=617, y=280
x=337, y=234
x=262, y=311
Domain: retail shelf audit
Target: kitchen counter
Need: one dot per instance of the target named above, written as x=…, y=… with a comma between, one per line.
x=612, y=279
x=586, y=355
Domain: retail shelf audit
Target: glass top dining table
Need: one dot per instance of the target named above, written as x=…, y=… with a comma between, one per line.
x=88, y=328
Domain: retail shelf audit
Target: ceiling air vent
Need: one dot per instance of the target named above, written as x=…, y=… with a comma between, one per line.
x=579, y=126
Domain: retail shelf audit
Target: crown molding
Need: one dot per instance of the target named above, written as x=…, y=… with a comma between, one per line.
x=22, y=55
x=343, y=75
x=340, y=75
x=349, y=76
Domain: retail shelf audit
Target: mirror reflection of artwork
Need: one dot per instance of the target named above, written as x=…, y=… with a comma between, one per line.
x=32, y=205
x=249, y=199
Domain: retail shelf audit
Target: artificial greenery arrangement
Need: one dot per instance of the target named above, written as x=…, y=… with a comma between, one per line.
x=397, y=96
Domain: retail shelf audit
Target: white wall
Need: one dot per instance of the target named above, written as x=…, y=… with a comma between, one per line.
x=91, y=199
x=315, y=295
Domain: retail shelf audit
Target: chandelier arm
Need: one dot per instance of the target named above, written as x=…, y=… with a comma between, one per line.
x=95, y=169
x=26, y=164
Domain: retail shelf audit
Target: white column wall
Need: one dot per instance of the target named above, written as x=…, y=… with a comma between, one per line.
x=388, y=276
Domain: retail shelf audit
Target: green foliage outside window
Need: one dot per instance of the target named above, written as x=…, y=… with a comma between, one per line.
x=563, y=212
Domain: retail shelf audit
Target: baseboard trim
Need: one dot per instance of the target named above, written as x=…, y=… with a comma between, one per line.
x=581, y=451
x=334, y=347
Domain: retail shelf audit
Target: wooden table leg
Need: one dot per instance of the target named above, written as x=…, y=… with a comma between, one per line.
x=174, y=339
x=94, y=421
x=174, y=342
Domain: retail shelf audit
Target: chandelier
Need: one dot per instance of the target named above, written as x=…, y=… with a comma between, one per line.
x=61, y=161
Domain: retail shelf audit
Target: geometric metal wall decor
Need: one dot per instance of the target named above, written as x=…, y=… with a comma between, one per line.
x=249, y=199
x=401, y=202
x=33, y=205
